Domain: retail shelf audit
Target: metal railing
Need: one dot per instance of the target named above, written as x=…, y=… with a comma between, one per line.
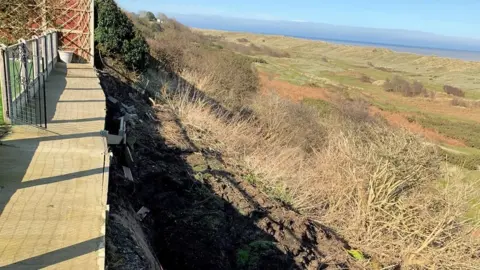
x=24, y=68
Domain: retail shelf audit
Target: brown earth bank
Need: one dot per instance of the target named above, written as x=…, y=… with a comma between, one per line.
x=401, y=120
x=293, y=92
x=298, y=93
x=202, y=214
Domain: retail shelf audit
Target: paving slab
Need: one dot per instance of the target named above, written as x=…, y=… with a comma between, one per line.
x=53, y=183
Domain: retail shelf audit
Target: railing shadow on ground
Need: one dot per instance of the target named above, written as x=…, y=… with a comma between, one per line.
x=57, y=256
x=17, y=153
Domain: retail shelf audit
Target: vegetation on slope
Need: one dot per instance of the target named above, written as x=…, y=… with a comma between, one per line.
x=384, y=190
x=376, y=185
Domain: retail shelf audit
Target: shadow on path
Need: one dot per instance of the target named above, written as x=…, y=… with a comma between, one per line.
x=57, y=256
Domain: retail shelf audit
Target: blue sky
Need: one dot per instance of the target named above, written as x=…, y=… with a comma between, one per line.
x=446, y=17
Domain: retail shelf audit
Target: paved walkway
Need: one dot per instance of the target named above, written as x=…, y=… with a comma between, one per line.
x=53, y=183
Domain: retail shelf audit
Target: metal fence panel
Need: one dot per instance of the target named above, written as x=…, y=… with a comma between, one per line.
x=25, y=68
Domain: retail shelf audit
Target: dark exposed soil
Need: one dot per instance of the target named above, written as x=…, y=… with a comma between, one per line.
x=202, y=214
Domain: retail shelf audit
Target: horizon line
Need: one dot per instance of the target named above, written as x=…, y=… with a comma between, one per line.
x=340, y=25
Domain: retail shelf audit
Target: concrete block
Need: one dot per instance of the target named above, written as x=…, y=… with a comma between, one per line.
x=142, y=213
x=112, y=100
x=129, y=157
x=128, y=173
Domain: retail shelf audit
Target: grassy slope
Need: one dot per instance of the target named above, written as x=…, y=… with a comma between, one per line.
x=332, y=66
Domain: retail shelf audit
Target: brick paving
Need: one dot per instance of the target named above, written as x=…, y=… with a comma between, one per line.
x=53, y=183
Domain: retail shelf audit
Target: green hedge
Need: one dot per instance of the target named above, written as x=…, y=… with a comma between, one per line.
x=116, y=36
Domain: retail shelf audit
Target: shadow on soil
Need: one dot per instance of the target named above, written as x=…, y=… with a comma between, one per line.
x=201, y=216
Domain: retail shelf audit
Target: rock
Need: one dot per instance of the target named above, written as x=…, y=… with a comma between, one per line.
x=130, y=109
x=379, y=82
x=112, y=100
x=131, y=142
x=130, y=117
x=142, y=213
x=127, y=173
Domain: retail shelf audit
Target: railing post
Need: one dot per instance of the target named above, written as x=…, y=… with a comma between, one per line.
x=44, y=51
x=48, y=52
x=51, y=50
x=3, y=84
x=36, y=63
x=25, y=91
x=56, y=47
x=92, y=33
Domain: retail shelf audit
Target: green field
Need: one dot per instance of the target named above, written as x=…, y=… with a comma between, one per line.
x=343, y=67
x=359, y=72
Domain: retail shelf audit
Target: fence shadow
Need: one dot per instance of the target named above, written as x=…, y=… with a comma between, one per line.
x=35, y=166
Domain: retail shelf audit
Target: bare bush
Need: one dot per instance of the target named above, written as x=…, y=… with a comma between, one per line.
x=451, y=90
x=459, y=102
x=243, y=40
x=224, y=75
x=356, y=110
x=400, y=85
x=431, y=94
x=364, y=78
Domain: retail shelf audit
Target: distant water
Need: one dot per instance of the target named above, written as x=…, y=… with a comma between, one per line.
x=458, y=54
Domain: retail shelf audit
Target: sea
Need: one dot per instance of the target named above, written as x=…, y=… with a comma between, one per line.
x=449, y=53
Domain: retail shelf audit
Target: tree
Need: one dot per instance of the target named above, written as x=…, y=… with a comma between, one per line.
x=149, y=15
x=116, y=36
x=162, y=17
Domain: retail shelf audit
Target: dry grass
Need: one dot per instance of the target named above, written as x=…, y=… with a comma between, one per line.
x=383, y=189
x=466, y=103
x=225, y=75
x=377, y=186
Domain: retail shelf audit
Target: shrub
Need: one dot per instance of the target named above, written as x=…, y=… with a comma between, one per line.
x=222, y=74
x=260, y=61
x=364, y=78
x=135, y=52
x=148, y=29
x=400, y=85
x=356, y=110
x=459, y=102
x=115, y=36
x=243, y=40
x=149, y=15
x=451, y=90
x=418, y=88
